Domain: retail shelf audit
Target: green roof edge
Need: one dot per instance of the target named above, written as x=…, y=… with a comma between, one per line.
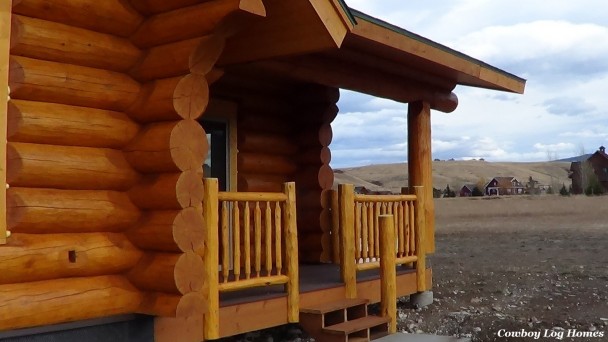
x=348, y=12
x=402, y=31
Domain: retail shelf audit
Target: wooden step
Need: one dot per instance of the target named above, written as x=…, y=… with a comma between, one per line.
x=355, y=325
x=334, y=306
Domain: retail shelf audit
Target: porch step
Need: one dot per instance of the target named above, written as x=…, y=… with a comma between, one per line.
x=334, y=306
x=345, y=320
x=359, y=324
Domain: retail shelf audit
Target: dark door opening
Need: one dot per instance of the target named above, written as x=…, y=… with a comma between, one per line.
x=216, y=164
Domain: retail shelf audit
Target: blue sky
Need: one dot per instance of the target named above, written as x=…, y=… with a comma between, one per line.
x=560, y=47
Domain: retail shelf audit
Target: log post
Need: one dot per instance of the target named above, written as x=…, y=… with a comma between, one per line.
x=420, y=163
x=5, y=33
x=335, y=226
x=346, y=193
x=388, y=274
x=291, y=245
x=211, y=259
x=419, y=212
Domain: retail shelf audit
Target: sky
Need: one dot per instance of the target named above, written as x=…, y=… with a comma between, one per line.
x=560, y=47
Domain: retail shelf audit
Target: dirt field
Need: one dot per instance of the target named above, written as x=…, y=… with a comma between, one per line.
x=530, y=263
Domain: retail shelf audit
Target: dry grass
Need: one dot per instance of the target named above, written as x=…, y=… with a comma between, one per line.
x=455, y=173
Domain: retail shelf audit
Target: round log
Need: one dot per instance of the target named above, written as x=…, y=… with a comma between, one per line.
x=315, y=247
x=192, y=304
x=56, y=42
x=191, y=96
x=260, y=182
x=109, y=16
x=316, y=114
x=172, y=146
x=33, y=79
x=68, y=211
x=314, y=156
x=316, y=136
x=168, y=60
x=168, y=191
x=313, y=177
x=249, y=141
x=309, y=198
x=66, y=300
x=169, y=272
x=266, y=164
x=155, y=101
x=160, y=6
x=190, y=22
x=35, y=257
x=55, y=124
x=207, y=53
x=68, y=167
x=170, y=231
x=317, y=94
x=214, y=75
x=262, y=122
x=444, y=102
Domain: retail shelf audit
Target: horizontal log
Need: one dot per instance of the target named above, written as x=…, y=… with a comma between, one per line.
x=66, y=300
x=57, y=42
x=31, y=210
x=170, y=231
x=167, y=191
x=261, y=182
x=169, y=273
x=192, y=304
x=444, y=102
x=160, y=6
x=258, y=121
x=214, y=75
x=68, y=167
x=316, y=113
x=309, y=198
x=317, y=94
x=171, y=99
x=316, y=136
x=35, y=257
x=197, y=55
x=313, y=177
x=314, y=156
x=190, y=22
x=249, y=141
x=33, y=79
x=266, y=163
x=315, y=248
x=55, y=124
x=109, y=16
x=171, y=146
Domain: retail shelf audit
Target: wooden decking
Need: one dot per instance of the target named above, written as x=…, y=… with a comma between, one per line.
x=265, y=307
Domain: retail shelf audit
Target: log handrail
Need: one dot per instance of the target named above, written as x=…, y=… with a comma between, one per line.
x=358, y=230
x=260, y=230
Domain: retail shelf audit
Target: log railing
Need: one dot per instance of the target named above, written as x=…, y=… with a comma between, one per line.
x=251, y=241
x=360, y=232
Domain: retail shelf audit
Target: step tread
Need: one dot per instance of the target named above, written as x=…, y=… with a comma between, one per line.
x=334, y=306
x=358, y=339
x=355, y=325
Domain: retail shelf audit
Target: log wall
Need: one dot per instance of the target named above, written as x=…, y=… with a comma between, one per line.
x=105, y=156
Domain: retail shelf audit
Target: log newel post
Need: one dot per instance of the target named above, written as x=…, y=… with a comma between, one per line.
x=346, y=199
x=211, y=258
x=420, y=222
x=5, y=34
x=291, y=244
x=388, y=273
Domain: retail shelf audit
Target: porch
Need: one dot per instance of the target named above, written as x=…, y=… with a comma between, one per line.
x=258, y=281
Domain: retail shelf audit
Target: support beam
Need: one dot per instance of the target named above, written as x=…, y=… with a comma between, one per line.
x=5, y=33
x=420, y=162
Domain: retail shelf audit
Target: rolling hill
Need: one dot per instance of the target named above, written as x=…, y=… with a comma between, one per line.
x=455, y=173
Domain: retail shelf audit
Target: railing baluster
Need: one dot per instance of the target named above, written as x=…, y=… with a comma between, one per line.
x=258, y=239
x=377, y=230
x=357, y=231
x=225, y=243
x=236, y=231
x=247, y=242
x=365, y=231
x=370, y=223
x=402, y=227
x=412, y=229
x=277, y=238
x=268, y=239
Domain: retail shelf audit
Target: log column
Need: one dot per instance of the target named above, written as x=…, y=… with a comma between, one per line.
x=420, y=162
x=5, y=15
x=315, y=177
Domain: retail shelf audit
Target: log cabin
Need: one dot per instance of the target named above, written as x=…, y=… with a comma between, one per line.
x=167, y=168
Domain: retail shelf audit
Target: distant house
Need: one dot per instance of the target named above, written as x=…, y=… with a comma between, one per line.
x=598, y=162
x=467, y=190
x=504, y=186
x=365, y=191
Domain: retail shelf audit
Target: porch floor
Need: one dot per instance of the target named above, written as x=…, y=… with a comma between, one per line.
x=313, y=277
